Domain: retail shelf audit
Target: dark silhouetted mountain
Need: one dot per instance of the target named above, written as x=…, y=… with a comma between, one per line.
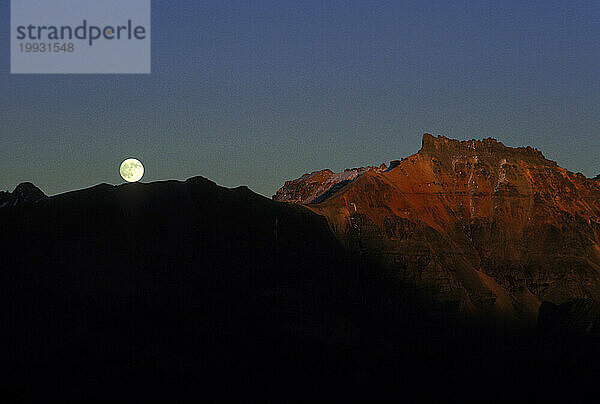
x=184, y=287
x=24, y=193
x=187, y=289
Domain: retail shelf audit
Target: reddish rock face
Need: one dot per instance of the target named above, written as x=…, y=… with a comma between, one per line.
x=493, y=229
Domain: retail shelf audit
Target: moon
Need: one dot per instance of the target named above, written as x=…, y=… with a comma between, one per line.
x=132, y=170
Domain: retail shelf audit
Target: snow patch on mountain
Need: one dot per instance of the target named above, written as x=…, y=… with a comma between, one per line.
x=317, y=186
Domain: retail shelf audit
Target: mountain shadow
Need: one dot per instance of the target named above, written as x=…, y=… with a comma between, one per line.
x=187, y=289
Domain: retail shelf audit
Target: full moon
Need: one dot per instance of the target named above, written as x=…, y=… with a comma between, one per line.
x=132, y=170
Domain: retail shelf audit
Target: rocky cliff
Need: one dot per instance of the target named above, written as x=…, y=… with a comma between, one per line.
x=491, y=229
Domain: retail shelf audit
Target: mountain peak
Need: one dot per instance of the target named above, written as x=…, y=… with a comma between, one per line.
x=25, y=192
x=441, y=146
x=451, y=154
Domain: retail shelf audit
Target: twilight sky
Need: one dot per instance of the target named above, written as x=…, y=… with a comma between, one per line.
x=258, y=92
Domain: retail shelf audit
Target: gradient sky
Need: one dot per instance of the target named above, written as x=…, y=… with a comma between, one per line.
x=258, y=92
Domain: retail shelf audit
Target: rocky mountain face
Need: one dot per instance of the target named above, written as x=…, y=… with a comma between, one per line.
x=24, y=193
x=493, y=231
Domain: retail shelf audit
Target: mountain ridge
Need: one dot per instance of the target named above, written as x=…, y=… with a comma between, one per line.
x=175, y=288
